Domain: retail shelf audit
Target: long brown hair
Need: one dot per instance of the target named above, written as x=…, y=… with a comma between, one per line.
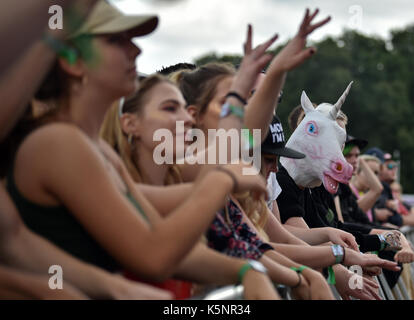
x=113, y=134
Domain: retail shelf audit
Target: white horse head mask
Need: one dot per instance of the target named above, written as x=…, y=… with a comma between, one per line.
x=321, y=138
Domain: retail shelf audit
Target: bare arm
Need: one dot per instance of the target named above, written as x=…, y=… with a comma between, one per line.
x=19, y=285
x=148, y=250
x=368, y=200
x=166, y=199
x=29, y=19
x=29, y=71
x=24, y=250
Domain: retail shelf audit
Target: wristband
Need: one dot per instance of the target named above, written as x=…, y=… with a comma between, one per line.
x=298, y=271
x=331, y=276
x=61, y=49
x=228, y=109
x=339, y=253
x=237, y=96
x=251, y=264
x=246, y=267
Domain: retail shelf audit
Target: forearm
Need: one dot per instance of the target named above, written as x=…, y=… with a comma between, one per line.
x=189, y=220
x=168, y=198
x=18, y=285
x=367, y=201
x=373, y=182
x=29, y=252
x=27, y=19
x=280, y=272
x=315, y=236
x=197, y=266
x=263, y=103
x=314, y=257
x=30, y=71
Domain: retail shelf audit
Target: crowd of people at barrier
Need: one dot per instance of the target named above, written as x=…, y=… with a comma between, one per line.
x=86, y=185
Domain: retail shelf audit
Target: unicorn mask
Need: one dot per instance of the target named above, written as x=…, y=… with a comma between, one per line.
x=321, y=139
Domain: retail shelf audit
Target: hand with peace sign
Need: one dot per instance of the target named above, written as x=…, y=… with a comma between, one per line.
x=294, y=54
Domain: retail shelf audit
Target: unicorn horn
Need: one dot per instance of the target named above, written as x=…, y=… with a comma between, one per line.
x=337, y=106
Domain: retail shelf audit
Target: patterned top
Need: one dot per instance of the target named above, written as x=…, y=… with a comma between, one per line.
x=233, y=237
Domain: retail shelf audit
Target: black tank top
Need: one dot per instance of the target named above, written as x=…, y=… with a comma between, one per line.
x=59, y=226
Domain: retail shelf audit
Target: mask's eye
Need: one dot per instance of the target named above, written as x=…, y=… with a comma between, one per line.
x=311, y=128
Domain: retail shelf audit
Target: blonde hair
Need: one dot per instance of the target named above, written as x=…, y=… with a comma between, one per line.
x=113, y=134
x=367, y=158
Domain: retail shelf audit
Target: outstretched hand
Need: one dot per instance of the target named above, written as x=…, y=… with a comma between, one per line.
x=253, y=62
x=293, y=54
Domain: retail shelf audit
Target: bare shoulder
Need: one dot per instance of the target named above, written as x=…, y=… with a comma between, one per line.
x=54, y=146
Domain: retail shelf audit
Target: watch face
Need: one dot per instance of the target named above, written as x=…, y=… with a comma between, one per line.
x=258, y=266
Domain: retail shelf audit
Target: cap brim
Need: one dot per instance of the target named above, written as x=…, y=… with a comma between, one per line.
x=360, y=143
x=137, y=25
x=284, y=152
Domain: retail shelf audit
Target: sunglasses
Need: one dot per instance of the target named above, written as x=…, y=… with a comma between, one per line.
x=391, y=166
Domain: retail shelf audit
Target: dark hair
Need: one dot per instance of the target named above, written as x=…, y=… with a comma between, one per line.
x=294, y=117
x=165, y=71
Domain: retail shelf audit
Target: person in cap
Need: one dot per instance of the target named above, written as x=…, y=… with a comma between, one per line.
x=73, y=189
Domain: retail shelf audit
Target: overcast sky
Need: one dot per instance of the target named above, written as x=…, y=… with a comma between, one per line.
x=191, y=28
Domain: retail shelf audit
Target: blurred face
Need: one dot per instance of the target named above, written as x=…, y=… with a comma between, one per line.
x=210, y=119
x=114, y=71
x=352, y=158
x=269, y=164
x=389, y=171
x=375, y=167
x=164, y=106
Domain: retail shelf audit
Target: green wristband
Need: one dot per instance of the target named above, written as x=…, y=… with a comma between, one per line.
x=237, y=111
x=331, y=276
x=299, y=269
x=246, y=267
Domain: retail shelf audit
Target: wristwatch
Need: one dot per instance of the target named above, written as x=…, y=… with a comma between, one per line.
x=339, y=253
x=228, y=109
x=251, y=264
x=389, y=241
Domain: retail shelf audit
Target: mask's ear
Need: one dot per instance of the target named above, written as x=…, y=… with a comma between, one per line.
x=307, y=105
x=130, y=124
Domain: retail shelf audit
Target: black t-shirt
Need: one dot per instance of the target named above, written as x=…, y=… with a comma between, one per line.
x=316, y=206
x=291, y=201
x=313, y=205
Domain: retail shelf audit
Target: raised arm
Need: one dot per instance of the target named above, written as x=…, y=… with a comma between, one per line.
x=261, y=106
x=368, y=200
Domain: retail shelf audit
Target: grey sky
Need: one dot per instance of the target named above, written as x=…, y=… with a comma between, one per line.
x=191, y=28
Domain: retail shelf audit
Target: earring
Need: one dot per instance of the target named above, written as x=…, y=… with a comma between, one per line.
x=130, y=138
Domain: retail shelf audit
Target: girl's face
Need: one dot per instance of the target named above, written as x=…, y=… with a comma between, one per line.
x=375, y=167
x=164, y=106
x=115, y=72
x=210, y=119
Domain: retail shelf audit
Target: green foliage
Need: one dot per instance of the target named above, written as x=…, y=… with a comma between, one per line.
x=380, y=105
